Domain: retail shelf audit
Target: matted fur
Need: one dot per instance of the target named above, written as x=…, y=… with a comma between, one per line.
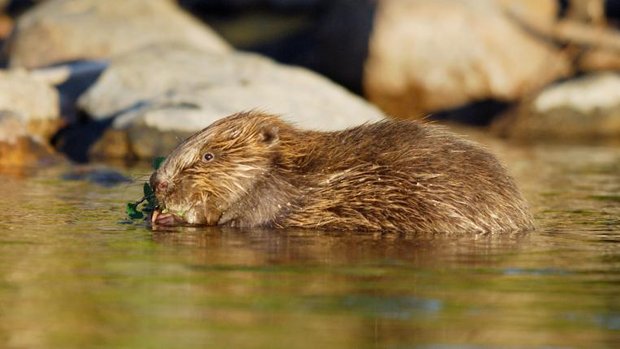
x=391, y=175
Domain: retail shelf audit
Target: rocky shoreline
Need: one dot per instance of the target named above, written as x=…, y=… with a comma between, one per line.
x=121, y=79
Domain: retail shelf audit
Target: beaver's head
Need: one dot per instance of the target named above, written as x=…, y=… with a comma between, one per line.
x=210, y=172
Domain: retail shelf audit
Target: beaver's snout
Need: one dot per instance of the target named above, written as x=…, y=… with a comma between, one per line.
x=160, y=187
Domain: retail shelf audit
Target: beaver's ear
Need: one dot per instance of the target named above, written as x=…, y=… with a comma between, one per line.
x=269, y=134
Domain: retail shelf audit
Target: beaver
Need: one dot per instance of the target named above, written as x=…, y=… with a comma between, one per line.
x=252, y=169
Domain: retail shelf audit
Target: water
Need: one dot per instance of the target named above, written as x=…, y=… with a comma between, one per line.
x=73, y=274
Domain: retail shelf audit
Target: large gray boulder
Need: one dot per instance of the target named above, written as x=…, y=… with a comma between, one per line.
x=586, y=108
x=64, y=30
x=171, y=91
x=426, y=56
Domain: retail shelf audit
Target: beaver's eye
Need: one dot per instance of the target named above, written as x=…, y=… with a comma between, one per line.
x=207, y=157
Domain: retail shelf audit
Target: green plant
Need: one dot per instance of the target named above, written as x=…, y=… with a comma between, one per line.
x=147, y=204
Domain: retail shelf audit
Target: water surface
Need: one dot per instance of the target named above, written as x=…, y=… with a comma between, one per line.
x=75, y=274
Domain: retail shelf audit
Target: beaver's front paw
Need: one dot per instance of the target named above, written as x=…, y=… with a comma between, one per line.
x=165, y=219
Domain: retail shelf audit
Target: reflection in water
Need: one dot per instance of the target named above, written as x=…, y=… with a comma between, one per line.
x=75, y=274
x=311, y=247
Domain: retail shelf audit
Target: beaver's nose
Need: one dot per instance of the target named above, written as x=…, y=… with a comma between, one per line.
x=157, y=184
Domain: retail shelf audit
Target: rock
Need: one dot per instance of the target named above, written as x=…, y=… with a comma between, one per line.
x=163, y=93
x=542, y=12
x=100, y=175
x=598, y=60
x=427, y=56
x=6, y=26
x=66, y=30
x=235, y=6
x=586, y=108
x=29, y=115
x=70, y=80
x=18, y=147
x=588, y=11
x=34, y=102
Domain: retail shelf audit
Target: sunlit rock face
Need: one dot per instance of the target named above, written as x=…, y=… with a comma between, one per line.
x=20, y=148
x=426, y=56
x=32, y=101
x=29, y=116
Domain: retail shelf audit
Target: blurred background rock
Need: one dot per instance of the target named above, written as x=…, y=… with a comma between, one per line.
x=486, y=62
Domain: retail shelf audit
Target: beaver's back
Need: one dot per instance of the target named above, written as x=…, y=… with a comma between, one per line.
x=399, y=175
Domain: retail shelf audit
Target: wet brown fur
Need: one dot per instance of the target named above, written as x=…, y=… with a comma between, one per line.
x=391, y=175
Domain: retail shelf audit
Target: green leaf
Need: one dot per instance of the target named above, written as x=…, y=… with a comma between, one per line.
x=136, y=215
x=148, y=191
x=157, y=162
x=131, y=207
x=151, y=203
x=151, y=199
x=132, y=211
